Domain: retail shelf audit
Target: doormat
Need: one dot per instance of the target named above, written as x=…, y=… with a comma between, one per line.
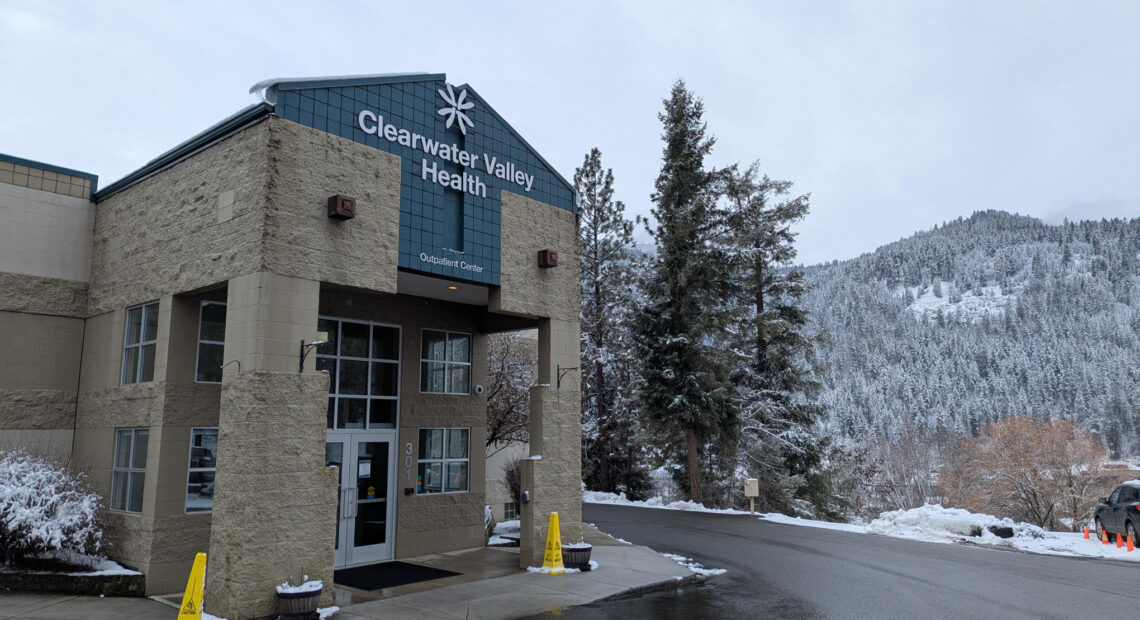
x=387, y=575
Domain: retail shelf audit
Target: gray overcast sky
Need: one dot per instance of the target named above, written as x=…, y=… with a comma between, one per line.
x=893, y=115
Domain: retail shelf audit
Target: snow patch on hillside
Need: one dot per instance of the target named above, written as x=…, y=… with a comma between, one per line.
x=967, y=307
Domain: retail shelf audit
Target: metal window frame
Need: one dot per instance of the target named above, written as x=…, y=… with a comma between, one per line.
x=130, y=469
x=191, y=470
x=334, y=388
x=140, y=345
x=447, y=364
x=198, y=351
x=445, y=460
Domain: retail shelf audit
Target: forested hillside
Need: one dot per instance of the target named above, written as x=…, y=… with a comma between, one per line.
x=981, y=319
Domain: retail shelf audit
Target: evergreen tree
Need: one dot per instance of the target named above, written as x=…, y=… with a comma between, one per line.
x=689, y=396
x=775, y=382
x=611, y=459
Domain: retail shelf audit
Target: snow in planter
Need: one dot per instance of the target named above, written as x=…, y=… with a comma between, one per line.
x=308, y=586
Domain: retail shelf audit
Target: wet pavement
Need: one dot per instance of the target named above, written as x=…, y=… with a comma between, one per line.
x=786, y=571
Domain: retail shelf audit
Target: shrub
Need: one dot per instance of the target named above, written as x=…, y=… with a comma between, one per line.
x=44, y=509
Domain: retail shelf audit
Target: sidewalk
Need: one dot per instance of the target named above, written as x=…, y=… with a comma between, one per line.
x=621, y=570
x=487, y=589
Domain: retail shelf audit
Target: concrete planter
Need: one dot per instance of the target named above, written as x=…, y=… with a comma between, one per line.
x=77, y=584
x=577, y=557
x=298, y=605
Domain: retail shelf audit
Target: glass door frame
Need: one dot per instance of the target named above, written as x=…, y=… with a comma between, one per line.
x=347, y=554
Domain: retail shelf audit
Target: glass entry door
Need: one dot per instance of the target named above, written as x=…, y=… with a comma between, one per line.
x=366, y=506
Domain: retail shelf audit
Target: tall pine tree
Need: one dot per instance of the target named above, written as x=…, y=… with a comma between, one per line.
x=688, y=394
x=774, y=377
x=611, y=451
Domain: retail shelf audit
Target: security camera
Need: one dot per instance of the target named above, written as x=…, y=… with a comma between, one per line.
x=478, y=389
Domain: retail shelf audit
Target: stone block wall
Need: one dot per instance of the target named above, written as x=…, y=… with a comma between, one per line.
x=306, y=167
x=275, y=501
x=190, y=226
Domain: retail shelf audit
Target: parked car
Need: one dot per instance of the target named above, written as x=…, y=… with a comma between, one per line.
x=1119, y=513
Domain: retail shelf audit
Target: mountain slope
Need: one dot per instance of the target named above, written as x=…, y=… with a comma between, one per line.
x=980, y=319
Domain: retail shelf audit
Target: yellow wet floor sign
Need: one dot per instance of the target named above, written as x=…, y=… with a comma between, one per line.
x=552, y=558
x=192, y=599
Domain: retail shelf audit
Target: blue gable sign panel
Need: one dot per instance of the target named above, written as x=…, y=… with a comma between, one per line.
x=457, y=156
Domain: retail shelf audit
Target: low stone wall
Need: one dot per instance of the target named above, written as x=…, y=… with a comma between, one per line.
x=76, y=584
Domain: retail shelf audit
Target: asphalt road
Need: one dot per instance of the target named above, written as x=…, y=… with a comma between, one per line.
x=788, y=571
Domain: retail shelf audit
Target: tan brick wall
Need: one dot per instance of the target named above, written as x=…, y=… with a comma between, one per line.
x=275, y=501
x=40, y=295
x=37, y=179
x=267, y=317
x=301, y=240
x=39, y=371
x=527, y=227
x=45, y=234
x=166, y=235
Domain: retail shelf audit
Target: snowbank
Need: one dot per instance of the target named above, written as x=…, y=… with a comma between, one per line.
x=601, y=497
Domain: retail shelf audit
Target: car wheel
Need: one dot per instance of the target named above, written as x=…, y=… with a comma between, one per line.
x=1099, y=529
x=1130, y=531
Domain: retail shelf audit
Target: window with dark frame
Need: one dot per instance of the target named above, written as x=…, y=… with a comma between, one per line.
x=203, y=467
x=363, y=362
x=445, y=362
x=140, y=340
x=444, y=460
x=128, y=470
x=211, y=342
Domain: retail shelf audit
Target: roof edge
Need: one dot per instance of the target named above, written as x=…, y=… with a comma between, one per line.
x=212, y=135
x=39, y=165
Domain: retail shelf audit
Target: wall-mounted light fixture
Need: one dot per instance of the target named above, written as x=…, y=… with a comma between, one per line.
x=547, y=259
x=341, y=207
x=562, y=373
x=322, y=338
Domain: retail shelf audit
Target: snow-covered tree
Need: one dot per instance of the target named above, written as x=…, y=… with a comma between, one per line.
x=612, y=457
x=774, y=379
x=687, y=395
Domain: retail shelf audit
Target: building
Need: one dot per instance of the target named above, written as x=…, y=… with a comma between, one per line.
x=306, y=284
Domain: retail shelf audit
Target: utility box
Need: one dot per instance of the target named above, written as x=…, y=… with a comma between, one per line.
x=752, y=487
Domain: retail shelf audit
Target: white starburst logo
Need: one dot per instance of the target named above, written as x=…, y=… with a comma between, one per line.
x=455, y=109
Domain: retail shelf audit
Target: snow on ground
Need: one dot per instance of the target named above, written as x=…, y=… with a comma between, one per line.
x=601, y=497
x=781, y=518
x=930, y=523
x=499, y=540
x=569, y=571
x=934, y=523
x=694, y=566
x=508, y=528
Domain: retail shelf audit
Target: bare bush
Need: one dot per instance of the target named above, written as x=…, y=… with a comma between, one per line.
x=1047, y=474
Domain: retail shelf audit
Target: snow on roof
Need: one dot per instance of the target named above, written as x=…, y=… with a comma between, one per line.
x=263, y=88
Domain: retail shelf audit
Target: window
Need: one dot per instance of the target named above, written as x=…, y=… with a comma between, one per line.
x=445, y=363
x=510, y=511
x=128, y=472
x=203, y=465
x=444, y=460
x=139, y=343
x=363, y=362
x=211, y=341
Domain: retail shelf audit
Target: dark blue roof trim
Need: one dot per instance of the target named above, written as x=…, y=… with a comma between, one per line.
x=518, y=135
x=20, y=161
x=242, y=119
x=360, y=81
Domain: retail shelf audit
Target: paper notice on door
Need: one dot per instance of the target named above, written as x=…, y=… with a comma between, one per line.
x=364, y=468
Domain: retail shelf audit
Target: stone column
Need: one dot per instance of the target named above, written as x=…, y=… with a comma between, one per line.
x=553, y=474
x=274, y=500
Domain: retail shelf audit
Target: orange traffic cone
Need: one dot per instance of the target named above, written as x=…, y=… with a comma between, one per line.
x=1086, y=533
x=1119, y=541
x=1130, y=547
x=1104, y=537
